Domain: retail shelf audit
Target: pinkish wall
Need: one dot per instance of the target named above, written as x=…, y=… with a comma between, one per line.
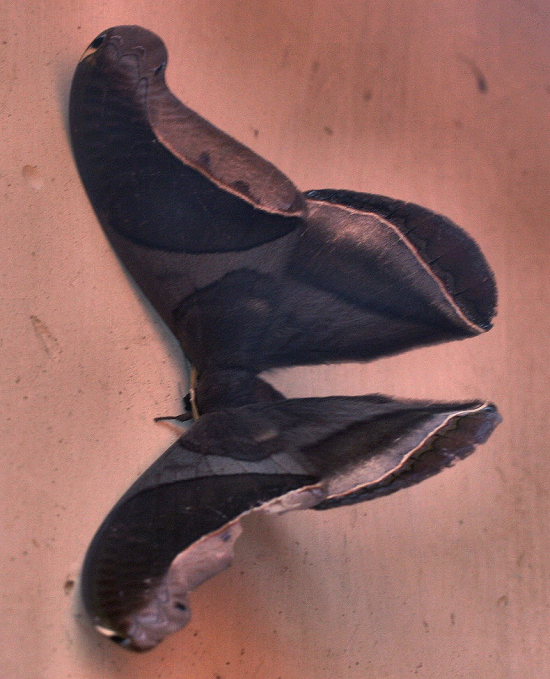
x=442, y=103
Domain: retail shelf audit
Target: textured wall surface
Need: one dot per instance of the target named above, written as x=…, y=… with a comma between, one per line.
x=441, y=103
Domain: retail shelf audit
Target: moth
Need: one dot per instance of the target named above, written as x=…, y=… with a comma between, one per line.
x=251, y=274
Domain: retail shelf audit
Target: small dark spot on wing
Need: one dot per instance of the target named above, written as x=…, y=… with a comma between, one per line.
x=204, y=160
x=242, y=187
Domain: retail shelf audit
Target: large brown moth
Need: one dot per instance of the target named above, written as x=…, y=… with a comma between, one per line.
x=251, y=274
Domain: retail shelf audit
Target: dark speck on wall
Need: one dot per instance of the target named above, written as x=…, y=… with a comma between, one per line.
x=481, y=80
x=503, y=600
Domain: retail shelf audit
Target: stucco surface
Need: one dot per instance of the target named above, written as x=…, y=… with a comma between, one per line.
x=440, y=103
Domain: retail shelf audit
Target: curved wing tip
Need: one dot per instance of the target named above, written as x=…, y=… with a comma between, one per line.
x=129, y=28
x=442, y=449
x=492, y=419
x=453, y=257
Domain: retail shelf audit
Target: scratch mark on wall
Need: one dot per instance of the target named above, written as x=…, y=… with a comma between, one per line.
x=47, y=340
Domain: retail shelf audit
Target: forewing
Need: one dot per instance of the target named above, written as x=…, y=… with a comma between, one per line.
x=177, y=525
x=365, y=276
x=408, y=276
x=156, y=172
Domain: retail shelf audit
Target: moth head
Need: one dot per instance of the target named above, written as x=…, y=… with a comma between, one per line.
x=128, y=48
x=164, y=605
x=165, y=611
x=164, y=614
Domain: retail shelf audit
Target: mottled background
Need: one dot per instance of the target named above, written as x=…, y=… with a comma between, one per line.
x=443, y=103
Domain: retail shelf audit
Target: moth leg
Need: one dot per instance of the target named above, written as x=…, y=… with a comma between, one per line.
x=184, y=417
